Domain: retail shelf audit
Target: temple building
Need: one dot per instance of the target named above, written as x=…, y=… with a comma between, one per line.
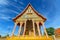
x=57, y=33
x=31, y=21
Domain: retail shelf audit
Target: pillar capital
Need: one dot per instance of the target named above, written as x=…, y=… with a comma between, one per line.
x=21, y=23
x=33, y=20
x=16, y=21
x=42, y=22
x=37, y=22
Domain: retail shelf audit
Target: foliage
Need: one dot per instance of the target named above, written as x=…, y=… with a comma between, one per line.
x=50, y=31
x=6, y=36
x=0, y=36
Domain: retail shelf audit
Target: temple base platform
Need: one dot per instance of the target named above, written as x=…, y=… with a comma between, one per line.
x=29, y=38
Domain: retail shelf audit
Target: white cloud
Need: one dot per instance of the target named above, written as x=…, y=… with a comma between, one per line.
x=7, y=18
x=10, y=27
x=3, y=2
x=15, y=0
x=13, y=11
x=21, y=3
x=14, y=4
x=10, y=10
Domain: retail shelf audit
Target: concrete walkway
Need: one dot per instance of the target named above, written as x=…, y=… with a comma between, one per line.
x=57, y=38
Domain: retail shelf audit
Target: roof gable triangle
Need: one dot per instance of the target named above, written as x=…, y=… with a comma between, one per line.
x=29, y=10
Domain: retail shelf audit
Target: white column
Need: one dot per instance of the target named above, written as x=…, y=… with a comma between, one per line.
x=24, y=28
x=44, y=29
x=14, y=29
x=33, y=27
x=29, y=33
x=19, y=31
x=38, y=28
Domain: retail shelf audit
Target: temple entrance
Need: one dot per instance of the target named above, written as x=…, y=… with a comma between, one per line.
x=29, y=27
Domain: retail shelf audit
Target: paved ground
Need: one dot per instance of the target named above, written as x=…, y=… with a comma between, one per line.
x=2, y=38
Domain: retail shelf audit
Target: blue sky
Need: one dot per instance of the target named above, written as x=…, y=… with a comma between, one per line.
x=9, y=9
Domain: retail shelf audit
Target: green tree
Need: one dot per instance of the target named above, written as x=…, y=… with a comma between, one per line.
x=50, y=31
x=0, y=36
x=6, y=36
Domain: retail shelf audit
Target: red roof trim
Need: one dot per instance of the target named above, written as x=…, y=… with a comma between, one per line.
x=25, y=10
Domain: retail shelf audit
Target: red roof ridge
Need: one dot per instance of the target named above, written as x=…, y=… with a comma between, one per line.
x=25, y=10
